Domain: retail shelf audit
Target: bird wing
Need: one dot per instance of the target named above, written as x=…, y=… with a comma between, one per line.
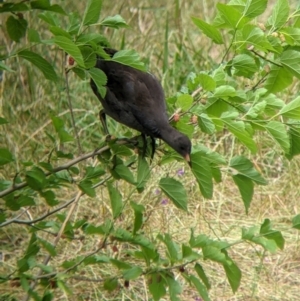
x=141, y=94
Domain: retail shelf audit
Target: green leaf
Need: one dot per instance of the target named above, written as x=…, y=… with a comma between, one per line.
x=49, y=196
x=45, y=5
x=257, y=109
x=94, y=172
x=252, y=235
x=245, y=167
x=175, y=191
x=63, y=135
x=280, y=14
x=132, y=273
x=25, y=200
x=202, y=171
x=200, y=288
x=13, y=7
x=115, y=200
x=206, y=82
x=244, y=65
x=129, y=58
x=188, y=254
x=185, y=128
x=96, y=259
x=91, y=229
x=16, y=28
x=86, y=186
x=48, y=296
x=111, y=284
x=269, y=233
x=291, y=35
x=172, y=247
x=255, y=8
x=296, y=222
x=234, y=274
x=238, y=129
x=214, y=253
x=184, y=101
x=6, y=68
x=49, y=18
x=89, y=56
x=209, y=30
x=124, y=173
x=36, y=179
x=5, y=156
x=138, y=216
x=278, y=79
x=246, y=188
x=34, y=58
x=294, y=135
x=58, y=31
x=100, y=79
x=278, y=131
x=121, y=265
x=253, y=35
x=157, y=286
x=143, y=173
x=114, y=22
x=225, y=91
x=71, y=48
x=93, y=37
x=174, y=288
x=33, y=36
x=292, y=109
x=291, y=60
x=92, y=12
x=231, y=16
x=205, y=123
x=199, y=270
x=48, y=246
x=121, y=150
x=33, y=247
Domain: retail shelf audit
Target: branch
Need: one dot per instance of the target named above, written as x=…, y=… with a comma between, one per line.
x=57, y=169
x=29, y=222
x=83, y=157
x=264, y=58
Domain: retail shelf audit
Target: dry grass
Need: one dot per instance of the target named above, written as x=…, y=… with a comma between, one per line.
x=28, y=105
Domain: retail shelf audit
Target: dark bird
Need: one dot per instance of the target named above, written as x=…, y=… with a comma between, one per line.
x=136, y=99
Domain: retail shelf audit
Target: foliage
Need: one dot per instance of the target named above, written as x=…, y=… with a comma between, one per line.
x=240, y=96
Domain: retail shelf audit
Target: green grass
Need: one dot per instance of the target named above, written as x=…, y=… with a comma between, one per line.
x=172, y=47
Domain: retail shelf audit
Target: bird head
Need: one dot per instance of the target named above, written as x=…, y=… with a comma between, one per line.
x=182, y=145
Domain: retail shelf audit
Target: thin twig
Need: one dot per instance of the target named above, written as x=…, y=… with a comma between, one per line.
x=61, y=231
x=58, y=237
x=264, y=58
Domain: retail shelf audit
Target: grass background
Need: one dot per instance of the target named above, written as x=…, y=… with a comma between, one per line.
x=172, y=47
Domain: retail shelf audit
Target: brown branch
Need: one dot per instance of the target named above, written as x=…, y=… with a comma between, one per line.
x=29, y=222
x=57, y=169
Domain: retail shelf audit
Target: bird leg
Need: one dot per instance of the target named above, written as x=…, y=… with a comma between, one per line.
x=145, y=146
x=152, y=147
x=102, y=117
x=144, y=150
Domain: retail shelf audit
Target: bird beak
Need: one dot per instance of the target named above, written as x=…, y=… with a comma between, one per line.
x=188, y=159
